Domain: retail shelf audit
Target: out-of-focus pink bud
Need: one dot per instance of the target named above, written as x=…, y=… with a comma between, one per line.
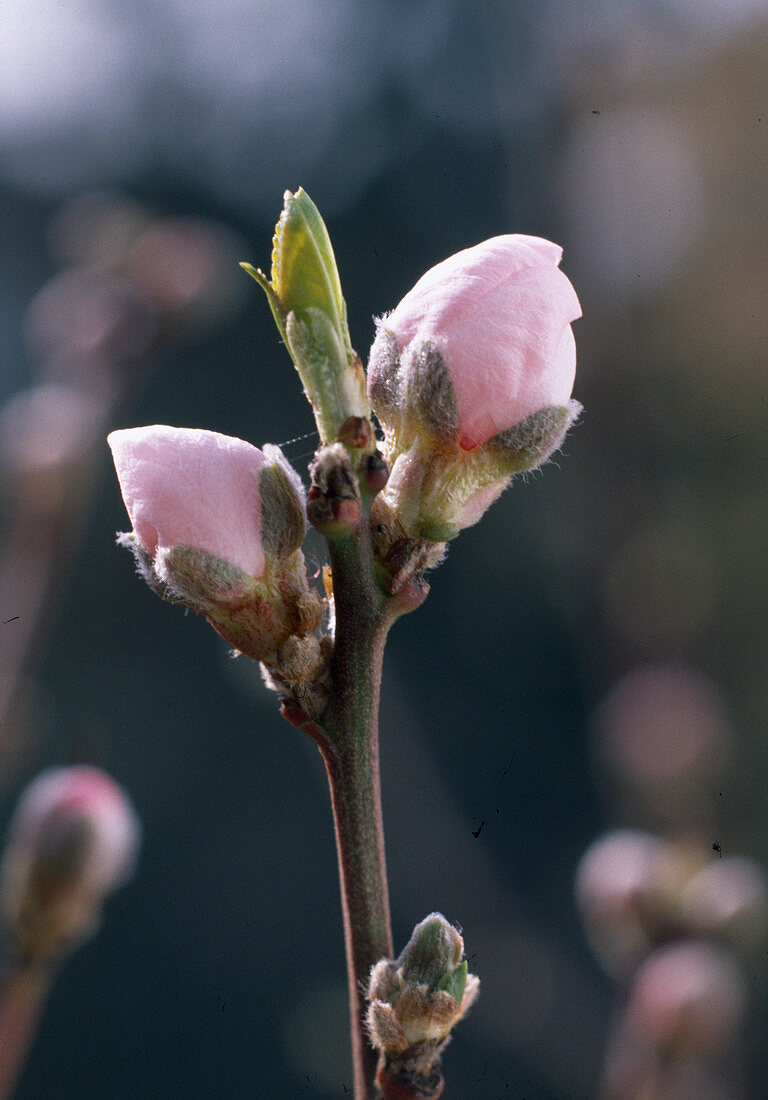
x=194, y=488
x=73, y=839
x=727, y=898
x=47, y=433
x=687, y=998
x=471, y=378
x=499, y=317
x=620, y=897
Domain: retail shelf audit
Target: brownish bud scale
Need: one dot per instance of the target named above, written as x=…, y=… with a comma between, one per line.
x=357, y=433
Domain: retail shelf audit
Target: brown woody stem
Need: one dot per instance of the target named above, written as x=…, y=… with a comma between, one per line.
x=23, y=992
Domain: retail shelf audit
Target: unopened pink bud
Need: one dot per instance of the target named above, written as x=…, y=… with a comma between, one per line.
x=688, y=998
x=471, y=378
x=728, y=898
x=619, y=892
x=217, y=527
x=498, y=315
x=193, y=488
x=73, y=839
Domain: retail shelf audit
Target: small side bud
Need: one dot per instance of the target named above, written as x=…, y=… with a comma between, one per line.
x=413, y=1005
x=73, y=840
x=334, y=497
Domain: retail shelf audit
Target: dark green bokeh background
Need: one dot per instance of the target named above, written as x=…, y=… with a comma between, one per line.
x=219, y=971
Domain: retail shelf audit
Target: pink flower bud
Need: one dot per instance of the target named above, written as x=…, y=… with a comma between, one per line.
x=688, y=998
x=498, y=315
x=217, y=527
x=471, y=379
x=619, y=893
x=73, y=839
x=193, y=488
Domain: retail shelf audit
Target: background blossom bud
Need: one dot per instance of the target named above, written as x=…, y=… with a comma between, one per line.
x=636, y=891
x=727, y=898
x=688, y=998
x=73, y=839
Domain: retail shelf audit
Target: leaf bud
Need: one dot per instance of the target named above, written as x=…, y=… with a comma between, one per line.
x=304, y=294
x=415, y=1001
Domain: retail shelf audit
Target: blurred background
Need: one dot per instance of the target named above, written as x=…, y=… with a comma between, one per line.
x=593, y=654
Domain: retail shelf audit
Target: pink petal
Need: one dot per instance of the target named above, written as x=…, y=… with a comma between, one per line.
x=195, y=488
x=500, y=314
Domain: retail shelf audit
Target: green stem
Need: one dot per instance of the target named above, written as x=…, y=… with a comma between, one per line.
x=347, y=732
x=352, y=762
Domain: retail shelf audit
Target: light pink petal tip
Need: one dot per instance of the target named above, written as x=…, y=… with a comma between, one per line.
x=194, y=488
x=500, y=314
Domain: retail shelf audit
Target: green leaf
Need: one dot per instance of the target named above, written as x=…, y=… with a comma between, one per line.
x=275, y=304
x=455, y=983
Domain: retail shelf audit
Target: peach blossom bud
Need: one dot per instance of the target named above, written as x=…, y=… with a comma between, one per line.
x=619, y=896
x=727, y=898
x=46, y=441
x=73, y=840
x=194, y=488
x=217, y=526
x=471, y=378
x=497, y=318
x=688, y=998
